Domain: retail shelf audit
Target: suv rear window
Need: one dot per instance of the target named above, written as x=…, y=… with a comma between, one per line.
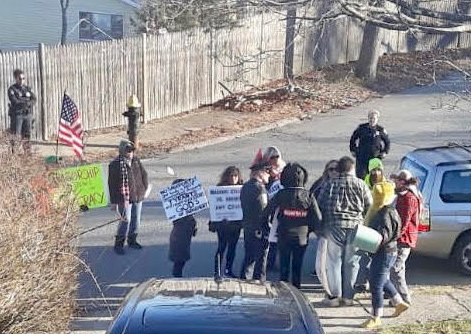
x=456, y=186
x=418, y=171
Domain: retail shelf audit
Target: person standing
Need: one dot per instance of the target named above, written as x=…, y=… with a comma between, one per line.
x=228, y=232
x=22, y=100
x=272, y=155
x=320, y=255
x=298, y=215
x=254, y=200
x=127, y=183
x=408, y=206
x=344, y=202
x=388, y=224
x=179, y=248
x=368, y=141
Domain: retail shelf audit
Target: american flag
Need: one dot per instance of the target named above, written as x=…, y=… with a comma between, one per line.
x=70, y=127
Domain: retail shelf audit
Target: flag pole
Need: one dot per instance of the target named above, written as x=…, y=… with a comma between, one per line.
x=58, y=125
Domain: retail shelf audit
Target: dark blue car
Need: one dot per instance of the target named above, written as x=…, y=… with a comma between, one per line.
x=203, y=305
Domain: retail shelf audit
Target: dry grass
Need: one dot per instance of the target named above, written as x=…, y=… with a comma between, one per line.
x=38, y=264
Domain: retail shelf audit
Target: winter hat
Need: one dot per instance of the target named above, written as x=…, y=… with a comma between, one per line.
x=125, y=145
x=262, y=165
x=404, y=174
x=375, y=163
x=271, y=151
x=293, y=175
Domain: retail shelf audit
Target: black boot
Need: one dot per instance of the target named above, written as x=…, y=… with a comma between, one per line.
x=132, y=241
x=119, y=245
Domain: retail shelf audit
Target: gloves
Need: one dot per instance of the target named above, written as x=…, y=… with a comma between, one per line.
x=212, y=226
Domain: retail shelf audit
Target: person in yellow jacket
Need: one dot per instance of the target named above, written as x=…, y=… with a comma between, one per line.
x=375, y=172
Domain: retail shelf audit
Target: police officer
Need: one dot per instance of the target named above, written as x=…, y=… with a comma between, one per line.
x=254, y=200
x=21, y=106
x=298, y=214
x=368, y=141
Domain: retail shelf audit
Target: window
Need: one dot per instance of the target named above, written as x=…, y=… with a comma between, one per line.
x=456, y=186
x=99, y=27
x=419, y=172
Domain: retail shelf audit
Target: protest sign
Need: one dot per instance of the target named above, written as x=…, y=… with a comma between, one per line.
x=274, y=188
x=88, y=185
x=183, y=199
x=224, y=203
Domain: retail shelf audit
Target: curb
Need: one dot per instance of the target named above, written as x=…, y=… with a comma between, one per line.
x=218, y=140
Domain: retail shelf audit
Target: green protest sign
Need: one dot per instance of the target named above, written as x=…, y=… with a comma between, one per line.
x=88, y=184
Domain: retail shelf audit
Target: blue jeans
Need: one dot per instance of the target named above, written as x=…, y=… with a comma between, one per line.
x=132, y=213
x=381, y=265
x=342, y=262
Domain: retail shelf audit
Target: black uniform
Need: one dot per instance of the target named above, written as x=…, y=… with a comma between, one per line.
x=254, y=199
x=367, y=143
x=21, y=109
x=298, y=214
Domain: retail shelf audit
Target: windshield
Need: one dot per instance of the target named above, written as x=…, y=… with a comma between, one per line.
x=418, y=171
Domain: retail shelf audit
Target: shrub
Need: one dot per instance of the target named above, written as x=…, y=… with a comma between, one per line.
x=38, y=261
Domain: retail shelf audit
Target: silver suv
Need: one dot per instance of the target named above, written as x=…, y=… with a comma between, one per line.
x=445, y=181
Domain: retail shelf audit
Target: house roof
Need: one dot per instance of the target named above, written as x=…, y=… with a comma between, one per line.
x=133, y=3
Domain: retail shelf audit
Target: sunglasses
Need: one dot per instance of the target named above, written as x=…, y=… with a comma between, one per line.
x=274, y=157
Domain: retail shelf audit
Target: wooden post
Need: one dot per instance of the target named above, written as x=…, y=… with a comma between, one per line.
x=212, y=64
x=145, y=92
x=42, y=92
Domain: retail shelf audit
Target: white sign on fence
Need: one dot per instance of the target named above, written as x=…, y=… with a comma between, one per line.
x=183, y=199
x=224, y=203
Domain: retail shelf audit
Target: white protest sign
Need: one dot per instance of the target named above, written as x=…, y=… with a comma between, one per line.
x=224, y=203
x=274, y=188
x=183, y=199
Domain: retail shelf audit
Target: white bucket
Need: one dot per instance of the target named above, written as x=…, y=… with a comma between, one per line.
x=366, y=238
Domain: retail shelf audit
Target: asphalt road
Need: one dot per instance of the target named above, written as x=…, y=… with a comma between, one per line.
x=419, y=117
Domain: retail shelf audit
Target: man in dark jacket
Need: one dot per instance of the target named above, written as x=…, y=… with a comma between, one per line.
x=368, y=141
x=298, y=214
x=254, y=199
x=21, y=106
x=127, y=182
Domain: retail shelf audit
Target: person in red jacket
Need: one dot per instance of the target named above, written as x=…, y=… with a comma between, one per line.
x=408, y=205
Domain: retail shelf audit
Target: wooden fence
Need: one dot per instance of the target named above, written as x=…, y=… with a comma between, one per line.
x=177, y=72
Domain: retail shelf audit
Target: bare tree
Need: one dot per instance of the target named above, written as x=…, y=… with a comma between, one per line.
x=64, y=6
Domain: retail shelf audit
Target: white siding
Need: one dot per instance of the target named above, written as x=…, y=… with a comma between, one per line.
x=26, y=23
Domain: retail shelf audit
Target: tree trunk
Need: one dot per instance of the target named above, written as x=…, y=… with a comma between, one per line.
x=289, y=42
x=367, y=64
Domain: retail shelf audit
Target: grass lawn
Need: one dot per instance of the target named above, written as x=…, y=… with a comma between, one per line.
x=439, y=327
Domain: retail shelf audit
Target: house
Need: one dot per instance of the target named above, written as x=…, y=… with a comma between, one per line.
x=26, y=23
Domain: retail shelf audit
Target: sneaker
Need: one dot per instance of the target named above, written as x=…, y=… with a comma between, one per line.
x=331, y=301
x=371, y=323
x=401, y=307
x=347, y=302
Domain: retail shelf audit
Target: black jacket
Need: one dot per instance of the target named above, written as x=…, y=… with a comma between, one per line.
x=137, y=177
x=180, y=239
x=388, y=223
x=298, y=214
x=21, y=99
x=254, y=199
x=368, y=142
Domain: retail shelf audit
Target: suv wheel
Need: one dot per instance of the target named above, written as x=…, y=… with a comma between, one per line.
x=462, y=254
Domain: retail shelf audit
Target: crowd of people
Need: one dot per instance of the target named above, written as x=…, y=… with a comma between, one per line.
x=280, y=211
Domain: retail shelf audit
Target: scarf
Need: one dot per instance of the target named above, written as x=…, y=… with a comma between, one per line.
x=124, y=164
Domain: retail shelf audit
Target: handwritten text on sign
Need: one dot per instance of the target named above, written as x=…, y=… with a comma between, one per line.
x=224, y=203
x=88, y=184
x=183, y=199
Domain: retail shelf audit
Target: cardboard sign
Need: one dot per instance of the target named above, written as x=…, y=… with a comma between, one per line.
x=224, y=203
x=183, y=199
x=274, y=188
x=88, y=185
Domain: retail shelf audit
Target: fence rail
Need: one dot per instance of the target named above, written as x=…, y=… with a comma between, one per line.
x=177, y=72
